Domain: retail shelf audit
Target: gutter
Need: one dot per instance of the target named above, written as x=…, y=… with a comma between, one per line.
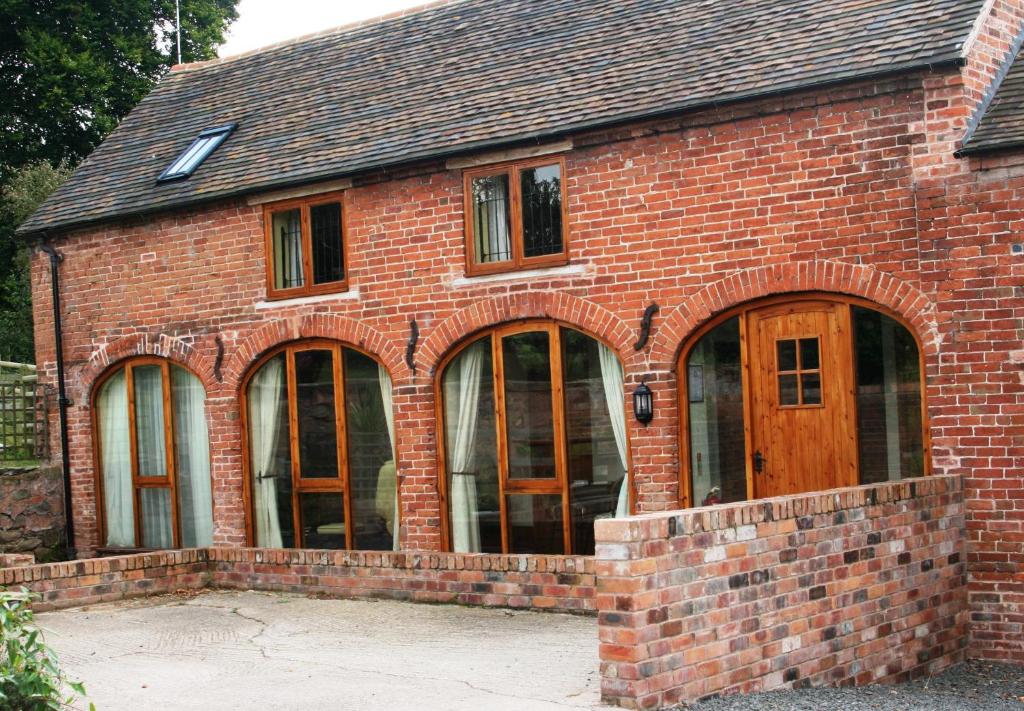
x=931, y=64
x=983, y=149
x=62, y=399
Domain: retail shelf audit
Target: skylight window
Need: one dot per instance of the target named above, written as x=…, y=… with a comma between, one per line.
x=205, y=144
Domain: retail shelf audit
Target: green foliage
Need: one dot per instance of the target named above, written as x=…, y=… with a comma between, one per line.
x=25, y=189
x=70, y=70
x=30, y=679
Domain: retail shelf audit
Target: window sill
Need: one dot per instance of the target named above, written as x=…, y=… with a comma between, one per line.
x=350, y=295
x=566, y=270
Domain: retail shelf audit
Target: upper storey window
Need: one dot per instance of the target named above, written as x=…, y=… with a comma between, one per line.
x=305, y=247
x=515, y=216
x=198, y=151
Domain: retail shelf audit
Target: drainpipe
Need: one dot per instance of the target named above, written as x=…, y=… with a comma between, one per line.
x=62, y=399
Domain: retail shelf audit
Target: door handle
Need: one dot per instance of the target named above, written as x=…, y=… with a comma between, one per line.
x=758, y=461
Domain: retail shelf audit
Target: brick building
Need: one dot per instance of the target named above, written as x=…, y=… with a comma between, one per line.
x=385, y=287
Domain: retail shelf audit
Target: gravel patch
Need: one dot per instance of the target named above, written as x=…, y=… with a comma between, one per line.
x=972, y=686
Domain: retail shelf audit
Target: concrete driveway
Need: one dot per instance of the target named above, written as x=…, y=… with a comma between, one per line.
x=249, y=650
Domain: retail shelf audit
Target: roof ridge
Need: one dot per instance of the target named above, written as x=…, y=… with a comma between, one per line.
x=309, y=36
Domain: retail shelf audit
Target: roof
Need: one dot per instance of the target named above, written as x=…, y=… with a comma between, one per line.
x=1002, y=124
x=471, y=74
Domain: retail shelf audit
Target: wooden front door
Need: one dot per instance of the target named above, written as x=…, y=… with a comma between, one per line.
x=802, y=410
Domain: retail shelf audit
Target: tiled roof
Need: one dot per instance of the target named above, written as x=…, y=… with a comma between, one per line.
x=476, y=73
x=1002, y=125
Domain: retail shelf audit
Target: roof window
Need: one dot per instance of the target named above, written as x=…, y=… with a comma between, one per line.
x=193, y=156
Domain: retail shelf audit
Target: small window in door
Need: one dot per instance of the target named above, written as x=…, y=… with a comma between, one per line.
x=798, y=361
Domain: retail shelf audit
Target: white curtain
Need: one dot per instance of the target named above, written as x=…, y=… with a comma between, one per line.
x=156, y=518
x=492, y=223
x=151, y=445
x=287, y=249
x=116, y=461
x=264, y=429
x=462, y=396
x=389, y=415
x=613, y=381
x=192, y=446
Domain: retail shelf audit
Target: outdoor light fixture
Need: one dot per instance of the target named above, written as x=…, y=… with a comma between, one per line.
x=643, y=403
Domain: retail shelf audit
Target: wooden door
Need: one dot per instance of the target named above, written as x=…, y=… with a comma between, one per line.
x=802, y=411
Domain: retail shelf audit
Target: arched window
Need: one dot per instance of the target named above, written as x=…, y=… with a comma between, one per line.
x=320, y=449
x=534, y=440
x=799, y=394
x=153, y=455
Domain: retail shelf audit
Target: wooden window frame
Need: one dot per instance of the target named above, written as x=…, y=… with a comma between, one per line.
x=304, y=206
x=518, y=262
x=741, y=311
x=559, y=485
x=307, y=485
x=139, y=480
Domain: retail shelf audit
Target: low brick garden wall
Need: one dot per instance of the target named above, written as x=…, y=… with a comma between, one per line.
x=32, y=511
x=564, y=583
x=851, y=586
x=87, y=582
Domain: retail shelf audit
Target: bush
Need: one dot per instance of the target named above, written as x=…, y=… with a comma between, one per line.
x=30, y=679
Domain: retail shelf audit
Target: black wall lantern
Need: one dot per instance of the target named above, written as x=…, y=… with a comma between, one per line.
x=643, y=403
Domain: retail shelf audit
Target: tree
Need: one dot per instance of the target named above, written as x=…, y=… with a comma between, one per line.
x=70, y=70
x=22, y=194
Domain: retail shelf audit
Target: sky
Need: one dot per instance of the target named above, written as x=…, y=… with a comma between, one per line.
x=263, y=22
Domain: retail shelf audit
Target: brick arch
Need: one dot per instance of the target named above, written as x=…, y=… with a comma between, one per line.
x=739, y=287
x=172, y=348
x=330, y=326
x=539, y=304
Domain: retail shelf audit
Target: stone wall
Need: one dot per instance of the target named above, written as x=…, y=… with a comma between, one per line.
x=32, y=512
x=852, y=586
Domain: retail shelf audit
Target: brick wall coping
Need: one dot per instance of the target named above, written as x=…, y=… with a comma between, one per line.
x=415, y=560
x=668, y=524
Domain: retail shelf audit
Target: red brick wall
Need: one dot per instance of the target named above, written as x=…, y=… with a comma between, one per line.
x=852, y=586
x=852, y=190
x=87, y=582
x=562, y=583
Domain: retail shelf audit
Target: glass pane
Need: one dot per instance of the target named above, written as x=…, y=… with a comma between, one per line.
x=809, y=354
x=541, y=190
x=528, y=401
x=371, y=466
x=270, y=455
x=491, y=219
x=286, y=236
x=151, y=442
x=328, y=256
x=471, y=451
x=715, y=395
x=318, y=426
x=535, y=524
x=323, y=520
x=156, y=518
x=116, y=461
x=786, y=354
x=192, y=452
x=788, y=393
x=889, y=425
x=811, y=383
x=596, y=445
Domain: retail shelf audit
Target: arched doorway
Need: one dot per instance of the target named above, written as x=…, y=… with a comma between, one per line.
x=799, y=393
